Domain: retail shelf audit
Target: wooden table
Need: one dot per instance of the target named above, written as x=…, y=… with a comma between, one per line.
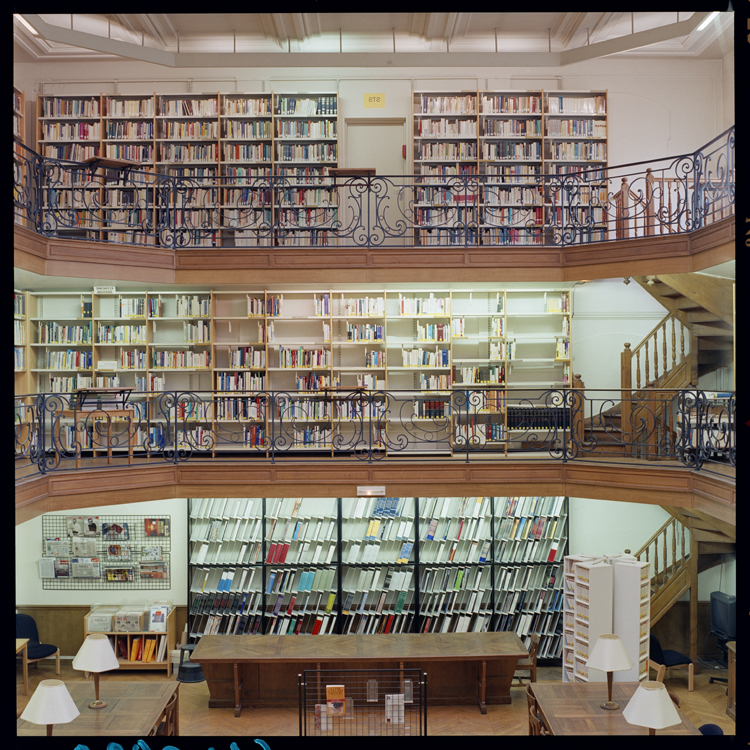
x=570, y=708
x=132, y=709
x=262, y=669
x=21, y=644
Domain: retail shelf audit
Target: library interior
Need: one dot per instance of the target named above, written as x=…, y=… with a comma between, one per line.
x=409, y=409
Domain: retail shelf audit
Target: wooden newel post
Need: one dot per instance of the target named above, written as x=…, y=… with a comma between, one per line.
x=626, y=394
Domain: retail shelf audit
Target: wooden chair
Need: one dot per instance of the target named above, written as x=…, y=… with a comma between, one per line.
x=536, y=726
x=165, y=727
x=528, y=665
x=669, y=659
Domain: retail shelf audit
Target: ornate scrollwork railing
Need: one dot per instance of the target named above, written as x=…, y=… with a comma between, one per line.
x=198, y=207
x=56, y=432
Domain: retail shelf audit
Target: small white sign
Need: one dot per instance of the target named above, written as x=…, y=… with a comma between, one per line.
x=371, y=491
x=104, y=290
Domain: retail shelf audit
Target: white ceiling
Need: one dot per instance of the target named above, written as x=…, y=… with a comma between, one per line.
x=324, y=39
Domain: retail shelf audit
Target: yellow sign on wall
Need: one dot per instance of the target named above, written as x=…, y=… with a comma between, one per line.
x=374, y=101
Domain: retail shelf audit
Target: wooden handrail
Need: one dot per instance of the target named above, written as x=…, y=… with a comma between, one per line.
x=663, y=576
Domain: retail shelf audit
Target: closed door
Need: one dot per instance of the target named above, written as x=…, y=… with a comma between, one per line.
x=378, y=144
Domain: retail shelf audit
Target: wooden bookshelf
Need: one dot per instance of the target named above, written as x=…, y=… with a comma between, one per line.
x=511, y=139
x=376, y=565
x=433, y=351
x=127, y=638
x=19, y=115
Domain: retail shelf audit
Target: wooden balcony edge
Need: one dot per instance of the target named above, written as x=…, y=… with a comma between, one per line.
x=654, y=485
x=671, y=253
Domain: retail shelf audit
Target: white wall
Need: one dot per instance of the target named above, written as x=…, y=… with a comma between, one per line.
x=606, y=314
x=600, y=527
x=29, y=548
x=674, y=105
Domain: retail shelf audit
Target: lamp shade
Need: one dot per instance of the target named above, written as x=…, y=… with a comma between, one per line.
x=96, y=655
x=651, y=707
x=50, y=704
x=609, y=655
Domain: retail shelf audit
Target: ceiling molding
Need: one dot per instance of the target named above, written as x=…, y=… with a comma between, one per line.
x=633, y=41
x=438, y=32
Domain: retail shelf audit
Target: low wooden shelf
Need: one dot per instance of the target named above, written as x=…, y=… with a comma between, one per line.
x=170, y=633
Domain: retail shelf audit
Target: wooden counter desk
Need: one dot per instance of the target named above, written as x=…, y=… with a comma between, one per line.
x=261, y=670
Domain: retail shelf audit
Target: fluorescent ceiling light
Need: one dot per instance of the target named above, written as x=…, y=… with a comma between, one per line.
x=22, y=20
x=707, y=20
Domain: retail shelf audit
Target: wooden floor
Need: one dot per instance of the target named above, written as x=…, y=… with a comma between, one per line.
x=705, y=705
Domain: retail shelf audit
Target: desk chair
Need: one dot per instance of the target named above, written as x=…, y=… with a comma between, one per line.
x=669, y=659
x=164, y=727
x=528, y=665
x=26, y=628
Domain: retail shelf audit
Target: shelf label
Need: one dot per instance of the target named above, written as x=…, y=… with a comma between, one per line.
x=104, y=290
x=371, y=491
x=374, y=101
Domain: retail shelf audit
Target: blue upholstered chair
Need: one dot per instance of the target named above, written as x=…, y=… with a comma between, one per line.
x=26, y=628
x=710, y=729
x=669, y=659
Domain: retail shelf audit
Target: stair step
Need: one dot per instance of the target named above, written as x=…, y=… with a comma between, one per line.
x=684, y=303
x=716, y=343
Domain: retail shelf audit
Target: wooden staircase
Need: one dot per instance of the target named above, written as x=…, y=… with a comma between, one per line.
x=694, y=338
x=705, y=306
x=685, y=545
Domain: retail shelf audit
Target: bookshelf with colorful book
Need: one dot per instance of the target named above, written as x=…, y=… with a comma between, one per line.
x=147, y=648
x=299, y=363
x=246, y=163
x=305, y=129
x=479, y=359
x=444, y=151
x=511, y=161
x=419, y=368
x=377, y=566
x=239, y=346
x=530, y=538
x=575, y=142
x=226, y=559
x=21, y=342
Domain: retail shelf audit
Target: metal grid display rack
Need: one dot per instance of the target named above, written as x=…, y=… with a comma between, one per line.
x=130, y=552
x=368, y=702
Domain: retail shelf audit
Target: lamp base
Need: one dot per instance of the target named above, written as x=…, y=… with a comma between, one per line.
x=609, y=705
x=97, y=704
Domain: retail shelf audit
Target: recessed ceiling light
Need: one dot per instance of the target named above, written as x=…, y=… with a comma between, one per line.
x=707, y=20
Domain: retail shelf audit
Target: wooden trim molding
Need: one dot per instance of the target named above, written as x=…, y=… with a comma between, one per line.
x=671, y=253
x=674, y=486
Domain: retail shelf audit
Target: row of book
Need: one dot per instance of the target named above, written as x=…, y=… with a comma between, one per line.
x=529, y=527
x=514, y=127
x=143, y=648
x=306, y=129
x=252, y=152
x=444, y=127
x=126, y=130
x=447, y=151
x=318, y=105
x=176, y=360
x=71, y=131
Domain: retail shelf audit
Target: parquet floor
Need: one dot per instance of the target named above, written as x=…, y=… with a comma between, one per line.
x=705, y=705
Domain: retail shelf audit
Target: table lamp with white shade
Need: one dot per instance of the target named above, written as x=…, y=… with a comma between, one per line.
x=50, y=704
x=96, y=655
x=651, y=706
x=609, y=655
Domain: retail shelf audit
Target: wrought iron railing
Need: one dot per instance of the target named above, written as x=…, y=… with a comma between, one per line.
x=192, y=207
x=56, y=432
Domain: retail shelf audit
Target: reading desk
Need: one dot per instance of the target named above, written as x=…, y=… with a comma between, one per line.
x=262, y=670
